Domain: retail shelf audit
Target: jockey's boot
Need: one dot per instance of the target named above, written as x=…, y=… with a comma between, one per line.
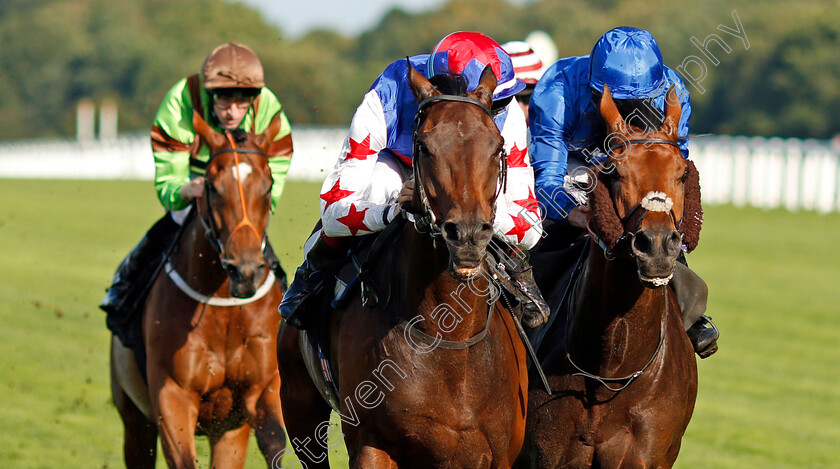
x=535, y=310
x=308, y=281
x=704, y=335
x=692, y=294
x=130, y=283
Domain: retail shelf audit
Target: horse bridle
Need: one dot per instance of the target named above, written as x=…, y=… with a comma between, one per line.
x=625, y=381
x=628, y=235
x=210, y=230
x=427, y=222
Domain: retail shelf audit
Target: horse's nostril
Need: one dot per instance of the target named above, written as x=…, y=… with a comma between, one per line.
x=674, y=243
x=485, y=227
x=451, y=231
x=232, y=271
x=641, y=242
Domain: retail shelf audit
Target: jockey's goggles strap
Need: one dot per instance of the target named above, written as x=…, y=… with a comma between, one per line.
x=449, y=97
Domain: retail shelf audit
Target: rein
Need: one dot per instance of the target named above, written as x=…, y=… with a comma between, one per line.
x=643, y=208
x=632, y=377
x=427, y=223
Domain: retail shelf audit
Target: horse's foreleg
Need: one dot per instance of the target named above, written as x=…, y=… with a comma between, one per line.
x=229, y=449
x=372, y=458
x=177, y=414
x=266, y=417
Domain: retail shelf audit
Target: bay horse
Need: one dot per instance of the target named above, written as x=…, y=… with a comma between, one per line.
x=435, y=375
x=210, y=323
x=620, y=365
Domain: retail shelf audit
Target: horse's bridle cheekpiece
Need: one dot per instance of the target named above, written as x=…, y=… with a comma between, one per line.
x=427, y=223
x=652, y=202
x=209, y=228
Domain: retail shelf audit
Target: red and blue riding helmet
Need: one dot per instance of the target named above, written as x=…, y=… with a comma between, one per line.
x=467, y=54
x=628, y=60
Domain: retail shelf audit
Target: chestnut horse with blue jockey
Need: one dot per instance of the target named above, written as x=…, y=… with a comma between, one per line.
x=621, y=369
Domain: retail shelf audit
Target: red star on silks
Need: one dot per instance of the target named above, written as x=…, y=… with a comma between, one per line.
x=520, y=227
x=355, y=220
x=360, y=150
x=516, y=157
x=335, y=194
x=529, y=203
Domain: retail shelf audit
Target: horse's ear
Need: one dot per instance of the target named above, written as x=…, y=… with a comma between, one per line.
x=610, y=112
x=202, y=129
x=265, y=139
x=486, y=86
x=419, y=84
x=670, y=126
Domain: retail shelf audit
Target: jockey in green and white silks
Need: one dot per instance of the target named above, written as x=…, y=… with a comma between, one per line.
x=230, y=94
x=179, y=158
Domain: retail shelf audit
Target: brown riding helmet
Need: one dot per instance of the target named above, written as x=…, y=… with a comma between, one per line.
x=232, y=65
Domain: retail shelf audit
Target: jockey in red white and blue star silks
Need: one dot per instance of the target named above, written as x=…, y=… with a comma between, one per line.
x=360, y=195
x=565, y=122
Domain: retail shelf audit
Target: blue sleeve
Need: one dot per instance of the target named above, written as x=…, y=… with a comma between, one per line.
x=685, y=102
x=551, y=118
x=683, y=130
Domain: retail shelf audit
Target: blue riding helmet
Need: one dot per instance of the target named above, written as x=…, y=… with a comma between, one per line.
x=467, y=54
x=629, y=62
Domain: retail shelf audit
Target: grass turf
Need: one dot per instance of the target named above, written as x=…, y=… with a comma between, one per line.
x=768, y=399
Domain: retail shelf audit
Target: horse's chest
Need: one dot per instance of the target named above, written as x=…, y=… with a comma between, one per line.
x=227, y=354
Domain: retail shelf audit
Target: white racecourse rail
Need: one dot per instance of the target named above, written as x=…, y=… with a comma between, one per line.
x=756, y=171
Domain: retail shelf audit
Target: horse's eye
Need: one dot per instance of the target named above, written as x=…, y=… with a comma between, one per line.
x=685, y=175
x=421, y=150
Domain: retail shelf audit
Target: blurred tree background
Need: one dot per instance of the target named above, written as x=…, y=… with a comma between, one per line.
x=55, y=52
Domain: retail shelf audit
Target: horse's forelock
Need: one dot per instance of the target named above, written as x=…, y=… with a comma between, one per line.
x=604, y=222
x=239, y=136
x=454, y=85
x=692, y=220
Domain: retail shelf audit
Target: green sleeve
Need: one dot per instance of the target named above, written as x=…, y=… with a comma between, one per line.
x=279, y=162
x=172, y=137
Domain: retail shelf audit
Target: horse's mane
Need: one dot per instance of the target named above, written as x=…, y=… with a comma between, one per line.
x=604, y=221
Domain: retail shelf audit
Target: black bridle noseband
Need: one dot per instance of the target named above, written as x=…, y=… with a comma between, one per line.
x=427, y=223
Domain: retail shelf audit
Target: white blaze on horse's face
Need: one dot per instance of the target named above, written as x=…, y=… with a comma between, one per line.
x=241, y=171
x=657, y=202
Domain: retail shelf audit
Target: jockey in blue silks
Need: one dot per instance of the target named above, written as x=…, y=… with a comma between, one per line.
x=371, y=179
x=567, y=132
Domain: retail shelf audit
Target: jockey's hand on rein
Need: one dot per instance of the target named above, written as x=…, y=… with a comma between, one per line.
x=407, y=191
x=192, y=189
x=579, y=216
